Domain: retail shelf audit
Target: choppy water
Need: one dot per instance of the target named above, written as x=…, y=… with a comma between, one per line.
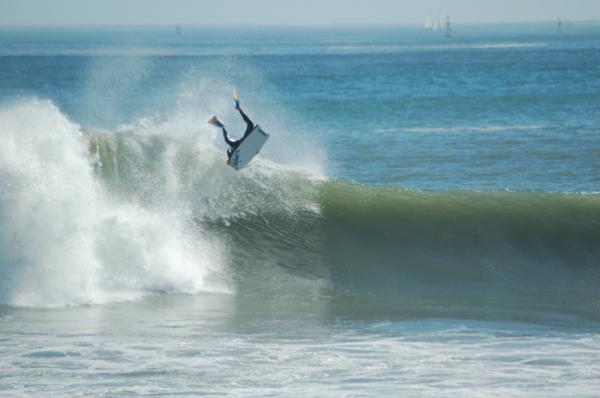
x=424, y=220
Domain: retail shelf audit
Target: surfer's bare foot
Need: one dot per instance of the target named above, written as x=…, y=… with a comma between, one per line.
x=215, y=122
x=236, y=99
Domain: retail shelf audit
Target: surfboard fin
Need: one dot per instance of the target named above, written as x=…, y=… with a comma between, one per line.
x=215, y=122
x=236, y=99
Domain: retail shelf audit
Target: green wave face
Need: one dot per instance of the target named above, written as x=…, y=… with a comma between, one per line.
x=464, y=253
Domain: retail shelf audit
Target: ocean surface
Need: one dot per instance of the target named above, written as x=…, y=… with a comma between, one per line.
x=423, y=222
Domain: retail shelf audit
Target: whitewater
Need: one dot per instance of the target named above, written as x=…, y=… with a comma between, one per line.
x=424, y=222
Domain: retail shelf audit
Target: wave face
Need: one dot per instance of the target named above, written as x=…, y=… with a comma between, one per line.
x=492, y=251
x=90, y=217
x=496, y=255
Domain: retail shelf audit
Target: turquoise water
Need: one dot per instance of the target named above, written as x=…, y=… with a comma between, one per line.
x=424, y=220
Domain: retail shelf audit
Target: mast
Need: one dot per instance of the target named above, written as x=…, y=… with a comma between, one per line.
x=449, y=33
x=559, y=25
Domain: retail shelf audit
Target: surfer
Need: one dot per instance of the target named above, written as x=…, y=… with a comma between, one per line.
x=249, y=126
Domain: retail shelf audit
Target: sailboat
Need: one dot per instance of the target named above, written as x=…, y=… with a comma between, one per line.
x=438, y=23
x=559, y=25
x=428, y=24
x=449, y=33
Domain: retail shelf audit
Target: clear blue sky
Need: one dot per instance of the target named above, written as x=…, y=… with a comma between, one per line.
x=287, y=12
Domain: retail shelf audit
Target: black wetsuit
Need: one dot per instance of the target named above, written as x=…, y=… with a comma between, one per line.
x=235, y=143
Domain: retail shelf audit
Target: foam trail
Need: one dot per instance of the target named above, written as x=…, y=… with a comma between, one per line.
x=66, y=241
x=464, y=129
x=477, y=129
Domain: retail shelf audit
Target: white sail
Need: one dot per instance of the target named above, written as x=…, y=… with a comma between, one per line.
x=428, y=23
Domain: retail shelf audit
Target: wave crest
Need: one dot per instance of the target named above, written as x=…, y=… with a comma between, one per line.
x=67, y=240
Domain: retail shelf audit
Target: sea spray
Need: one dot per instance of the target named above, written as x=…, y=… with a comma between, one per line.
x=65, y=240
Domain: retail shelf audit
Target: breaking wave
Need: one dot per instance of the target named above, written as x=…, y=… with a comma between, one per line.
x=68, y=239
x=89, y=216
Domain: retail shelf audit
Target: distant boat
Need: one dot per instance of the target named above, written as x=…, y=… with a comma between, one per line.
x=428, y=24
x=449, y=33
x=435, y=23
x=178, y=30
x=559, y=24
x=438, y=23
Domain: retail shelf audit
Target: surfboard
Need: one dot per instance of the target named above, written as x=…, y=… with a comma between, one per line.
x=248, y=149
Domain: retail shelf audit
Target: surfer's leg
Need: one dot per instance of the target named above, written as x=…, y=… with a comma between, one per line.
x=249, y=124
x=229, y=141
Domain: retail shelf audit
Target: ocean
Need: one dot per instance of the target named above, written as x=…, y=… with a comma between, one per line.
x=424, y=220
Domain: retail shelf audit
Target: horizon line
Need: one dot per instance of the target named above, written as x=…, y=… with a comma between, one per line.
x=293, y=25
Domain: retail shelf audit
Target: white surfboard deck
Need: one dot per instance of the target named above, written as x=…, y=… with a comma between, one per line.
x=248, y=149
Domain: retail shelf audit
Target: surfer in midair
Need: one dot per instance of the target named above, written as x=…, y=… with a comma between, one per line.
x=249, y=126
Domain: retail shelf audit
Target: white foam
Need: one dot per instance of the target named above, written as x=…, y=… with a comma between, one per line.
x=506, y=45
x=476, y=129
x=399, y=47
x=66, y=241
